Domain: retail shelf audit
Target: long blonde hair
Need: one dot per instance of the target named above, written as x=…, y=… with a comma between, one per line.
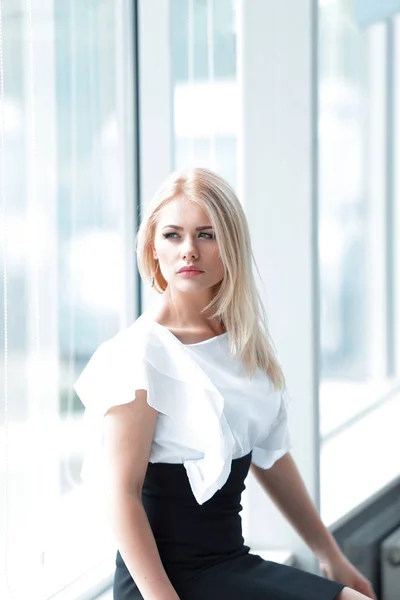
x=237, y=302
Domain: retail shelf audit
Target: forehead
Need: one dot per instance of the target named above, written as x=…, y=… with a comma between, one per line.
x=181, y=211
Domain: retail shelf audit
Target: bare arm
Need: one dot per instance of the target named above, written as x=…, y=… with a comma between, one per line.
x=128, y=436
x=286, y=488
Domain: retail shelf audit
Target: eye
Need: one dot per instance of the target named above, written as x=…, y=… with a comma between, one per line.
x=173, y=235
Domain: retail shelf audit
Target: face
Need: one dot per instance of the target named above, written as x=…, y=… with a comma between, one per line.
x=185, y=238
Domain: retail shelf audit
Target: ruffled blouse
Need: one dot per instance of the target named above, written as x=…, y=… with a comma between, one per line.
x=210, y=411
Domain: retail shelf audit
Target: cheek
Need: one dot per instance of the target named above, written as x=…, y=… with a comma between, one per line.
x=221, y=270
x=217, y=261
x=216, y=254
x=165, y=252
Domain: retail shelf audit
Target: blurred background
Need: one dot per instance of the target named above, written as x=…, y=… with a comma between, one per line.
x=100, y=99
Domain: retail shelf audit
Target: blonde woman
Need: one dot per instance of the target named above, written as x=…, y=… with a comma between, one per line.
x=188, y=399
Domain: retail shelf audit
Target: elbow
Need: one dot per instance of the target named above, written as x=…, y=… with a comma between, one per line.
x=120, y=497
x=122, y=509
x=122, y=484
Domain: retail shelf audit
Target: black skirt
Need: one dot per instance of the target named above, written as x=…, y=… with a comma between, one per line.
x=202, y=547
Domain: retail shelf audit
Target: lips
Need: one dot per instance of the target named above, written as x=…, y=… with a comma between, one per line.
x=190, y=270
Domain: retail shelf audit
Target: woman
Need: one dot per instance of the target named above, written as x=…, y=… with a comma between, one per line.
x=190, y=397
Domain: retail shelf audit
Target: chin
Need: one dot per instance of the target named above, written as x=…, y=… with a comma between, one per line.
x=191, y=286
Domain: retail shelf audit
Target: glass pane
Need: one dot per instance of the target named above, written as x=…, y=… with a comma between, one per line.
x=224, y=38
x=205, y=100
x=180, y=40
x=353, y=228
x=202, y=152
x=64, y=274
x=354, y=255
x=396, y=174
x=226, y=158
x=343, y=209
x=200, y=39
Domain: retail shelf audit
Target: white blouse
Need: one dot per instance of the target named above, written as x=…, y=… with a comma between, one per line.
x=210, y=411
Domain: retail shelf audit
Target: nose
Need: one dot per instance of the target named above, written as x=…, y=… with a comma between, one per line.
x=189, y=249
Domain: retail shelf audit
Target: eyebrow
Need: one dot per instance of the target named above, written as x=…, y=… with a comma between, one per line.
x=201, y=228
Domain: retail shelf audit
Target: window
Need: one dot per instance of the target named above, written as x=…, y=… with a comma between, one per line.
x=64, y=273
x=205, y=95
x=356, y=249
x=396, y=196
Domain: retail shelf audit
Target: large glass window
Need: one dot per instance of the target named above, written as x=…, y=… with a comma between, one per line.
x=354, y=361
x=396, y=196
x=344, y=125
x=356, y=249
x=205, y=96
x=62, y=273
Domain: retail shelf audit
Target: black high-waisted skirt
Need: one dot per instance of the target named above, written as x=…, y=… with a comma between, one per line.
x=202, y=547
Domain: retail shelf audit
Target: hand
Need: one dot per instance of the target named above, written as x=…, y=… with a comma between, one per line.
x=341, y=570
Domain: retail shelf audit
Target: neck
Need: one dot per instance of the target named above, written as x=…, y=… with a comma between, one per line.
x=183, y=310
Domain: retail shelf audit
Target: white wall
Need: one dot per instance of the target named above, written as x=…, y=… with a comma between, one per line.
x=277, y=80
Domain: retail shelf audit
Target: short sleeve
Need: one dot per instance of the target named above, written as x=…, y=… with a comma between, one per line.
x=191, y=408
x=114, y=372
x=277, y=442
x=110, y=378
